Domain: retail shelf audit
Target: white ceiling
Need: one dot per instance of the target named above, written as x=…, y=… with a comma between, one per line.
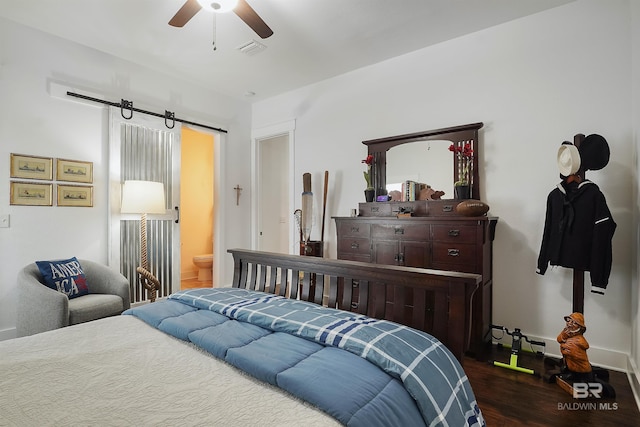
x=313, y=39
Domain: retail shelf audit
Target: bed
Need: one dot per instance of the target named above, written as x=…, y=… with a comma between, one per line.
x=258, y=353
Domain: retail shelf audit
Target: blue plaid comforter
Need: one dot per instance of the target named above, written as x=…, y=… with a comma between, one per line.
x=427, y=369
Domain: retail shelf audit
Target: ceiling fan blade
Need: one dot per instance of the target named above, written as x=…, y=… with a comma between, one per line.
x=186, y=12
x=251, y=18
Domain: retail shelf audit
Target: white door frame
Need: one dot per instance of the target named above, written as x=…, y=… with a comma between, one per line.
x=257, y=135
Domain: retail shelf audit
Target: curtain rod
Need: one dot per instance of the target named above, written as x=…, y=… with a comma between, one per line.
x=127, y=106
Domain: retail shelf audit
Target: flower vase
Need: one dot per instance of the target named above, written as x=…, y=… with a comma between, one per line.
x=461, y=192
x=369, y=195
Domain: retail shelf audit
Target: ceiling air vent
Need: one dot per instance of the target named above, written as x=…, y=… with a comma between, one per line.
x=251, y=47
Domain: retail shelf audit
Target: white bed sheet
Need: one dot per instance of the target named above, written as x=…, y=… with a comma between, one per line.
x=121, y=372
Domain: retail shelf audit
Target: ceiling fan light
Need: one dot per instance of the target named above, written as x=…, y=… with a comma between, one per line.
x=218, y=6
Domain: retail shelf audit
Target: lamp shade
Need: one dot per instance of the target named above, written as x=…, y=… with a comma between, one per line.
x=143, y=197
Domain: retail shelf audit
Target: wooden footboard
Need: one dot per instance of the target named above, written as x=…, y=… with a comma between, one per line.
x=435, y=301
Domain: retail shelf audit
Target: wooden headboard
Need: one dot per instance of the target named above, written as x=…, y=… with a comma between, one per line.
x=433, y=301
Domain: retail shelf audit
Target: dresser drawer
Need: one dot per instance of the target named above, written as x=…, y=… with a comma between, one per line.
x=354, y=229
x=454, y=257
x=354, y=245
x=443, y=208
x=416, y=208
x=400, y=231
x=375, y=209
x=454, y=233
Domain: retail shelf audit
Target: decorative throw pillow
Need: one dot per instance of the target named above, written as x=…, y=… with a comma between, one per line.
x=65, y=276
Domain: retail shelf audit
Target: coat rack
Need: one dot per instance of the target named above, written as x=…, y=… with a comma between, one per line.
x=600, y=376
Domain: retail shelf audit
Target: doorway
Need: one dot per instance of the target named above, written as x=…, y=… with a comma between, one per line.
x=197, y=209
x=273, y=196
x=273, y=190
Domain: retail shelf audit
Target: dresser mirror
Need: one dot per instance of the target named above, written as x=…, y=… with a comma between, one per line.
x=421, y=161
x=425, y=162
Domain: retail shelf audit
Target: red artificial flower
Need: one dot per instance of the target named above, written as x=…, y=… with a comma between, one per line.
x=369, y=160
x=367, y=174
x=464, y=153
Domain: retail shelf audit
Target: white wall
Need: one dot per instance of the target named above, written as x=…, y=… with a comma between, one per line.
x=32, y=122
x=534, y=82
x=635, y=298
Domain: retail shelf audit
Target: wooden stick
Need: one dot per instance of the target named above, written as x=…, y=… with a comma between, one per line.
x=307, y=207
x=324, y=205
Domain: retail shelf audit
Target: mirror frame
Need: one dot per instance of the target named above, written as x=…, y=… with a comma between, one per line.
x=458, y=135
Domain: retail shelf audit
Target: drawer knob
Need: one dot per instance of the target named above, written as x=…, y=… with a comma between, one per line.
x=454, y=233
x=447, y=208
x=399, y=230
x=355, y=229
x=453, y=252
x=355, y=245
x=354, y=305
x=375, y=209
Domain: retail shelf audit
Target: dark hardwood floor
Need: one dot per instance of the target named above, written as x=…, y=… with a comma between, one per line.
x=510, y=398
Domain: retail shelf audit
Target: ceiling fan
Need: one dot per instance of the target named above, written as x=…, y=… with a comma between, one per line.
x=239, y=7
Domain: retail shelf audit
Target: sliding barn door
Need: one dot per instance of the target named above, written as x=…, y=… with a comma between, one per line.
x=143, y=148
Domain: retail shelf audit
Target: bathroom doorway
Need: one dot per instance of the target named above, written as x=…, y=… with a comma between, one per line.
x=197, y=208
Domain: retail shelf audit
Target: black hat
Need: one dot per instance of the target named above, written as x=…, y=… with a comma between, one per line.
x=594, y=153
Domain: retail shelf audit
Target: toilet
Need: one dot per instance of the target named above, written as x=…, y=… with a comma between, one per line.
x=205, y=266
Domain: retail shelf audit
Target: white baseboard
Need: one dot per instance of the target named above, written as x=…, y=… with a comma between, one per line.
x=601, y=357
x=7, y=334
x=634, y=380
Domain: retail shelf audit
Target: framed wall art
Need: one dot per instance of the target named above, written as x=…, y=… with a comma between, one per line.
x=31, y=194
x=74, y=171
x=31, y=167
x=75, y=195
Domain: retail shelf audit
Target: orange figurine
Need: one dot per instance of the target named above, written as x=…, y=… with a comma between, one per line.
x=573, y=345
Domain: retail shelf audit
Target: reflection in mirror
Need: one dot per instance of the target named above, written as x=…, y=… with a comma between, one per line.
x=428, y=162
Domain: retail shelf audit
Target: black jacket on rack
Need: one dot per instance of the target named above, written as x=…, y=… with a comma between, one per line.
x=578, y=231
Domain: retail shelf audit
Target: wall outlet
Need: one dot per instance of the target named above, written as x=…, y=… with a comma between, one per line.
x=4, y=221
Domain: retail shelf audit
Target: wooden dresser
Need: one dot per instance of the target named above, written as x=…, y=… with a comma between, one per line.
x=436, y=237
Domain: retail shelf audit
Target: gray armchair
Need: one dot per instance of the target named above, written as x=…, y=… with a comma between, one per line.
x=41, y=308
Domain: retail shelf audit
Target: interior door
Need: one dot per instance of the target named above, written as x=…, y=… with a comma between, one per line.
x=273, y=189
x=143, y=148
x=272, y=202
